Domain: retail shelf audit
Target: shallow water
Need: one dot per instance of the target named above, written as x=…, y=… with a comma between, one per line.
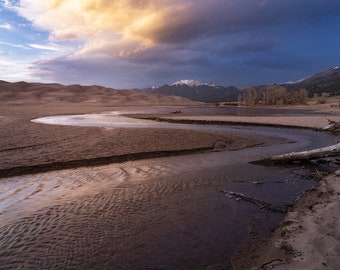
x=117, y=118
x=243, y=111
x=109, y=119
x=164, y=213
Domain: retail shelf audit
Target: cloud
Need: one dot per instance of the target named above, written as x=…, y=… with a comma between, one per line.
x=124, y=27
x=90, y=71
x=105, y=21
x=46, y=47
x=14, y=70
x=20, y=46
x=6, y=26
x=124, y=42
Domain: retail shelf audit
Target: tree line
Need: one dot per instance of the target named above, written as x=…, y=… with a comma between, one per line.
x=273, y=95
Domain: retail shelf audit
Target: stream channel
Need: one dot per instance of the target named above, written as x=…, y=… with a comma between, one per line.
x=159, y=213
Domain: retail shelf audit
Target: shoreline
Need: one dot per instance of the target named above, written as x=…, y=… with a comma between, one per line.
x=314, y=122
x=223, y=121
x=307, y=238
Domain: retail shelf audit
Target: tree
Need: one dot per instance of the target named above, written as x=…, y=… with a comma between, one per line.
x=273, y=95
x=250, y=96
x=301, y=96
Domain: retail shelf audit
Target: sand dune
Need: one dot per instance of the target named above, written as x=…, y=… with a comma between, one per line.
x=24, y=93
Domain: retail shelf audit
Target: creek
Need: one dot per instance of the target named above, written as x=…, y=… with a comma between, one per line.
x=159, y=213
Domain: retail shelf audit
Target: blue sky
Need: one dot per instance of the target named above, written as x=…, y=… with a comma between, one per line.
x=133, y=43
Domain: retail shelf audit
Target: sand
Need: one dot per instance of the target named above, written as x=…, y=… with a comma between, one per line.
x=308, y=238
x=312, y=121
x=26, y=145
x=317, y=118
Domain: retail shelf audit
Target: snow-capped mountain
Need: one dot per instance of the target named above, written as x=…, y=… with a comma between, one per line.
x=195, y=90
x=192, y=83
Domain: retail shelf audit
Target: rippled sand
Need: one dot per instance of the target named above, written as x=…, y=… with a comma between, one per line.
x=157, y=213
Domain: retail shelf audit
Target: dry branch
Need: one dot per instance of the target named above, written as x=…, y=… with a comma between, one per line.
x=262, y=204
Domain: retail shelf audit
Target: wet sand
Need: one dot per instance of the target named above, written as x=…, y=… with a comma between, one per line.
x=26, y=145
x=158, y=213
x=308, y=237
x=62, y=223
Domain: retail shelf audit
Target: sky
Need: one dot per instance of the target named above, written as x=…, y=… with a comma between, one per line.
x=142, y=43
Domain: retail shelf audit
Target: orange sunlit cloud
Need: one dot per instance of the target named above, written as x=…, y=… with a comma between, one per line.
x=106, y=27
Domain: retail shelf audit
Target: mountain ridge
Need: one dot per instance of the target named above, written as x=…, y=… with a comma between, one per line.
x=327, y=81
x=197, y=91
x=192, y=83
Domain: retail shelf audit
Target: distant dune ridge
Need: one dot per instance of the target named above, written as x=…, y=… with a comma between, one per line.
x=52, y=92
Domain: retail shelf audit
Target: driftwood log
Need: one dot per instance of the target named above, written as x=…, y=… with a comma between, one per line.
x=324, y=152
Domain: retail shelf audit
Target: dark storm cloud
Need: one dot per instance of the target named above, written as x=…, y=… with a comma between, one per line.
x=241, y=42
x=216, y=17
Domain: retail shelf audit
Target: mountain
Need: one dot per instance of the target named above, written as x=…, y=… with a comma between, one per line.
x=192, y=83
x=23, y=92
x=195, y=90
x=327, y=81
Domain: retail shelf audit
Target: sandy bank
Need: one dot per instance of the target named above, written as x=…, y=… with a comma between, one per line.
x=304, y=116
x=312, y=121
x=308, y=238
